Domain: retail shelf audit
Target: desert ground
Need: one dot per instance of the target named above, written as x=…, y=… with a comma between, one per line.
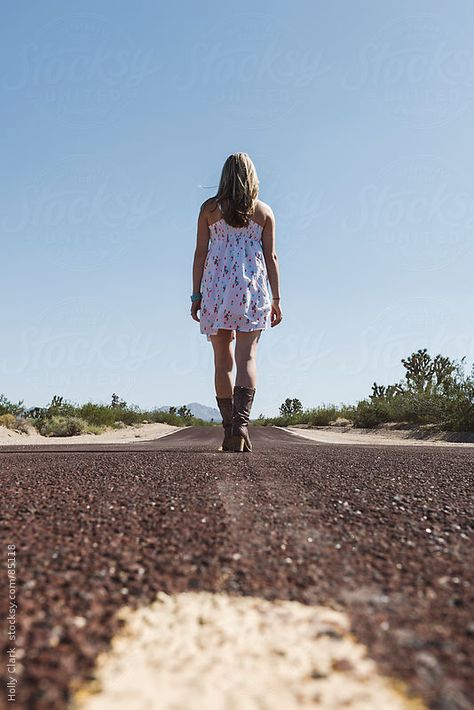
x=162, y=573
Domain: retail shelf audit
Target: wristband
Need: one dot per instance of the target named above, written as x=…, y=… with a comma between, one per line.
x=196, y=297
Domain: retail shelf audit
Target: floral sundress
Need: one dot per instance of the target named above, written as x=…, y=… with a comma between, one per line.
x=234, y=289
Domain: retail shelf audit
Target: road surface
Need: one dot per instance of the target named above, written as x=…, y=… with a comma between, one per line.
x=383, y=533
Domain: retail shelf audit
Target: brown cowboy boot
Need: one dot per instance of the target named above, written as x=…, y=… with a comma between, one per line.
x=225, y=408
x=243, y=400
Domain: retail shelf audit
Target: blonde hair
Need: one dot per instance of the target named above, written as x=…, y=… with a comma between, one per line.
x=238, y=189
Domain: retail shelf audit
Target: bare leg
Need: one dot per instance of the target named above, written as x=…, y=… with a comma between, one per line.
x=246, y=358
x=223, y=362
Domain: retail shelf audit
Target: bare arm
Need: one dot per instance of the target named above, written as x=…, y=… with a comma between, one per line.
x=270, y=255
x=200, y=252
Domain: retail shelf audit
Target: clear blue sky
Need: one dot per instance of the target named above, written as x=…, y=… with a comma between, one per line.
x=116, y=120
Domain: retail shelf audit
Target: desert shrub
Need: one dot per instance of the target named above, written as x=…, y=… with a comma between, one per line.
x=272, y=421
x=7, y=407
x=58, y=425
x=100, y=414
x=57, y=407
x=131, y=414
x=291, y=413
x=460, y=409
x=407, y=407
x=433, y=391
x=368, y=414
x=8, y=420
x=317, y=416
x=320, y=416
x=173, y=417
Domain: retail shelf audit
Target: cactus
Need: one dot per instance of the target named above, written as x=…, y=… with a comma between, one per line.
x=117, y=402
x=184, y=412
x=290, y=407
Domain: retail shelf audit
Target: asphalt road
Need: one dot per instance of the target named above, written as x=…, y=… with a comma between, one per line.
x=384, y=533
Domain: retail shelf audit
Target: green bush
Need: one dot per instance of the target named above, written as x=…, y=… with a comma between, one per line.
x=62, y=426
x=174, y=419
x=369, y=414
x=98, y=416
x=317, y=416
x=461, y=415
x=434, y=391
x=460, y=409
x=322, y=416
x=103, y=415
x=7, y=407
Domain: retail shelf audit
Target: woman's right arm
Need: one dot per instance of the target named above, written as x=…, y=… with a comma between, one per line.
x=269, y=253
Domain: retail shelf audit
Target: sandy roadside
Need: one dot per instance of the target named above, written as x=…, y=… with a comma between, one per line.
x=138, y=432
x=346, y=435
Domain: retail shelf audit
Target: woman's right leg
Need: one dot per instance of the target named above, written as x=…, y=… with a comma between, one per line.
x=245, y=385
x=246, y=357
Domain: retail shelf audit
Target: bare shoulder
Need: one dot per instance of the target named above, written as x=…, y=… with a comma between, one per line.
x=209, y=205
x=265, y=212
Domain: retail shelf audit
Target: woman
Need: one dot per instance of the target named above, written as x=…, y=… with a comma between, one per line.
x=235, y=255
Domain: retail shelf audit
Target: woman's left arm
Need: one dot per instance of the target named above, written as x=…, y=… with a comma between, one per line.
x=200, y=252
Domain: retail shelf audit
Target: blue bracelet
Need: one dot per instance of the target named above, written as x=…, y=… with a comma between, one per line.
x=196, y=297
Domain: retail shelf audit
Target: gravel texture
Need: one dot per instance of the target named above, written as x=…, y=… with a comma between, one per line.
x=383, y=534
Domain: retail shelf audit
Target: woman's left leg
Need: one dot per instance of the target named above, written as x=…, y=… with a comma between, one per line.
x=223, y=362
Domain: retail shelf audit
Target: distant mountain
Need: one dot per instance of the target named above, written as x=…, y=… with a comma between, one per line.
x=198, y=410
x=204, y=412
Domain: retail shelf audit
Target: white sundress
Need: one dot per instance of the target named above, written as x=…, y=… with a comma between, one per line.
x=234, y=289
